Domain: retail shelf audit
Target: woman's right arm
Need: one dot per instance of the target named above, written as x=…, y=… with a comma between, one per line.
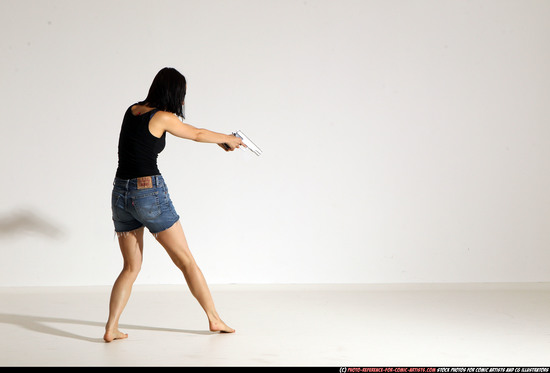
x=164, y=121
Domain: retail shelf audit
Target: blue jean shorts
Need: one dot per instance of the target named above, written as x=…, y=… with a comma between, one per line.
x=142, y=202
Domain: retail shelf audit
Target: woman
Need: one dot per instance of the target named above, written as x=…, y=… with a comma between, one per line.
x=140, y=197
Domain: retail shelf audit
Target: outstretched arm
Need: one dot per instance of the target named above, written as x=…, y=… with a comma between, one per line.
x=164, y=121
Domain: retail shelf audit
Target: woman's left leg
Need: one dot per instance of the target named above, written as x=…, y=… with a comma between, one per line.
x=131, y=246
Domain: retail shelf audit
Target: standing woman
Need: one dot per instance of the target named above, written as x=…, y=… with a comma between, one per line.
x=140, y=196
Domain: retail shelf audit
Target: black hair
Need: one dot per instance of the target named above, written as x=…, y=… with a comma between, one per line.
x=167, y=91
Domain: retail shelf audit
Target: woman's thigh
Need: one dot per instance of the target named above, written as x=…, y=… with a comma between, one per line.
x=174, y=242
x=131, y=246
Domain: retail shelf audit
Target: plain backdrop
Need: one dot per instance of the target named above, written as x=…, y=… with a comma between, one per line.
x=403, y=141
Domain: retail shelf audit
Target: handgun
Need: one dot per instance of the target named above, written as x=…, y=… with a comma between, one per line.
x=249, y=144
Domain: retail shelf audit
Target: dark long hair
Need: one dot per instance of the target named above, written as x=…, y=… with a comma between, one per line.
x=167, y=91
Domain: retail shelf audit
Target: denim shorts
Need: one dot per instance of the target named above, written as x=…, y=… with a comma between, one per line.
x=142, y=202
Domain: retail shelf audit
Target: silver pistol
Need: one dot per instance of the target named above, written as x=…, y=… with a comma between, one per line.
x=249, y=144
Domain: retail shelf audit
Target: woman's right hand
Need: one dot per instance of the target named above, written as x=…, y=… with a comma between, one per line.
x=232, y=143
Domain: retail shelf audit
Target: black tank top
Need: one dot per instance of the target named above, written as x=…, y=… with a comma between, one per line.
x=138, y=149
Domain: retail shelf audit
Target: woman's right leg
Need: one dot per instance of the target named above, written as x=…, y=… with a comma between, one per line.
x=173, y=240
x=131, y=246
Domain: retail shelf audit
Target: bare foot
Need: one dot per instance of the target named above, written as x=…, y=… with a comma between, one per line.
x=111, y=336
x=219, y=326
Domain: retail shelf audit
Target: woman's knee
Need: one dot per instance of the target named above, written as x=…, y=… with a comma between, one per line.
x=183, y=262
x=132, y=268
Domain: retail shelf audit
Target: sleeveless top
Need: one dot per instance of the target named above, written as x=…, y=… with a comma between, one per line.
x=138, y=149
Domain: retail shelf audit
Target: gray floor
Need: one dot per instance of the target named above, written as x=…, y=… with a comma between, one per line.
x=283, y=325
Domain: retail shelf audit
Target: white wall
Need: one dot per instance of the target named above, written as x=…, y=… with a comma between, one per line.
x=404, y=141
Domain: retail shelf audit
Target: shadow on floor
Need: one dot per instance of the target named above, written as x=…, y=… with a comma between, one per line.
x=39, y=324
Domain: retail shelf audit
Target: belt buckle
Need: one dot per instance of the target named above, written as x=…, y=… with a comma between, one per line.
x=145, y=182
